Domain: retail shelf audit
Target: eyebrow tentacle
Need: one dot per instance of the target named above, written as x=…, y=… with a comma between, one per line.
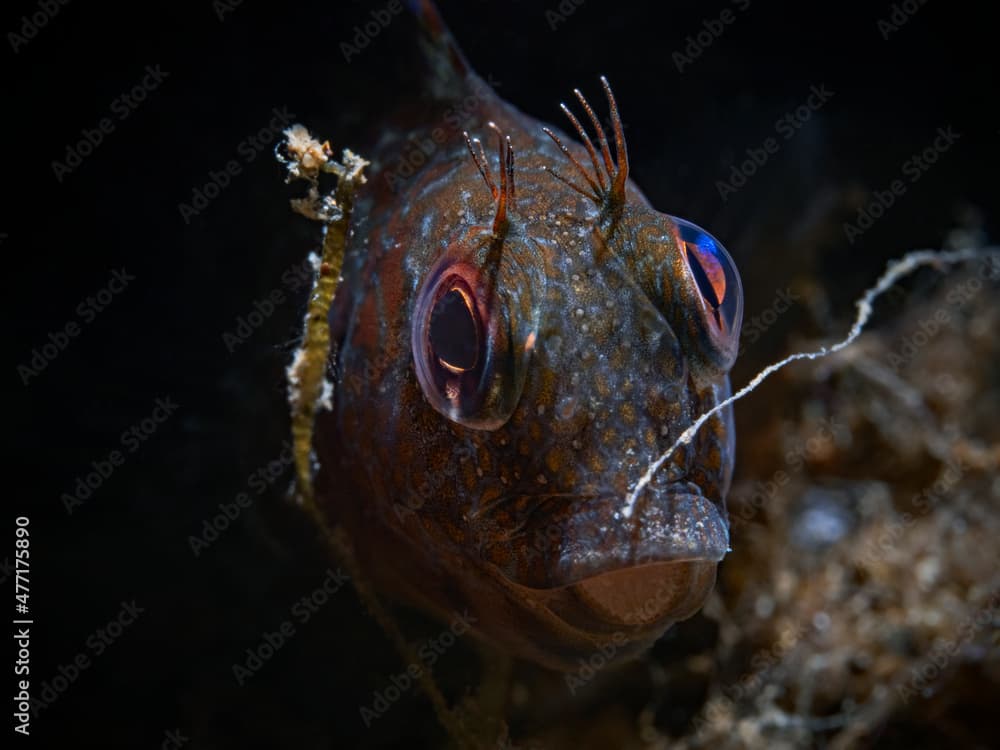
x=607, y=191
x=504, y=194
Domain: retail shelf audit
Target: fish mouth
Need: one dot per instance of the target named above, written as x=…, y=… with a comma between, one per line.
x=642, y=596
x=570, y=540
x=590, y=575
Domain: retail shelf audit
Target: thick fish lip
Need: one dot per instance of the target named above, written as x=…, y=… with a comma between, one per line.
x=666, y=528
x=569, y=540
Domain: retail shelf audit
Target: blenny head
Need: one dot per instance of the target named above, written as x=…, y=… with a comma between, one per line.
x=518, y=349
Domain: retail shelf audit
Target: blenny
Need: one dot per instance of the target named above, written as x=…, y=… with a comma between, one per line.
x=517, y=336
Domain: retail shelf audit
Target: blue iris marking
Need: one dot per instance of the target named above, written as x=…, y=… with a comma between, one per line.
x=695, y=235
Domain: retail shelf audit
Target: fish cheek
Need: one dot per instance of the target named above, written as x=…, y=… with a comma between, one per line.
x=715, y=446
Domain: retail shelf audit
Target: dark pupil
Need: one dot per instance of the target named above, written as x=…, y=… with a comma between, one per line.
x=704, y=283
x=453, y=334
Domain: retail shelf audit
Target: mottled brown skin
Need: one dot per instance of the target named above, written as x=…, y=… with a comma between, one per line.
x=520, y=524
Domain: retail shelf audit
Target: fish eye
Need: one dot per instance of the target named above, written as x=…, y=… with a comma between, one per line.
x=453, y=335
x=462, y=348
x=715, y=276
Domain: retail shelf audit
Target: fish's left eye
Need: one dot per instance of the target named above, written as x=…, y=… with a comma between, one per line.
x=716, y=277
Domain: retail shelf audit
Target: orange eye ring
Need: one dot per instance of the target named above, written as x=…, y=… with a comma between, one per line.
x=708, y=273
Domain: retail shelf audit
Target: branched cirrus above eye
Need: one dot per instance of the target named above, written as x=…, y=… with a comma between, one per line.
x=474, y=321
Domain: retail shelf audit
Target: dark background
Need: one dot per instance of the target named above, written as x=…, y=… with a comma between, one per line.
x=162, y=336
